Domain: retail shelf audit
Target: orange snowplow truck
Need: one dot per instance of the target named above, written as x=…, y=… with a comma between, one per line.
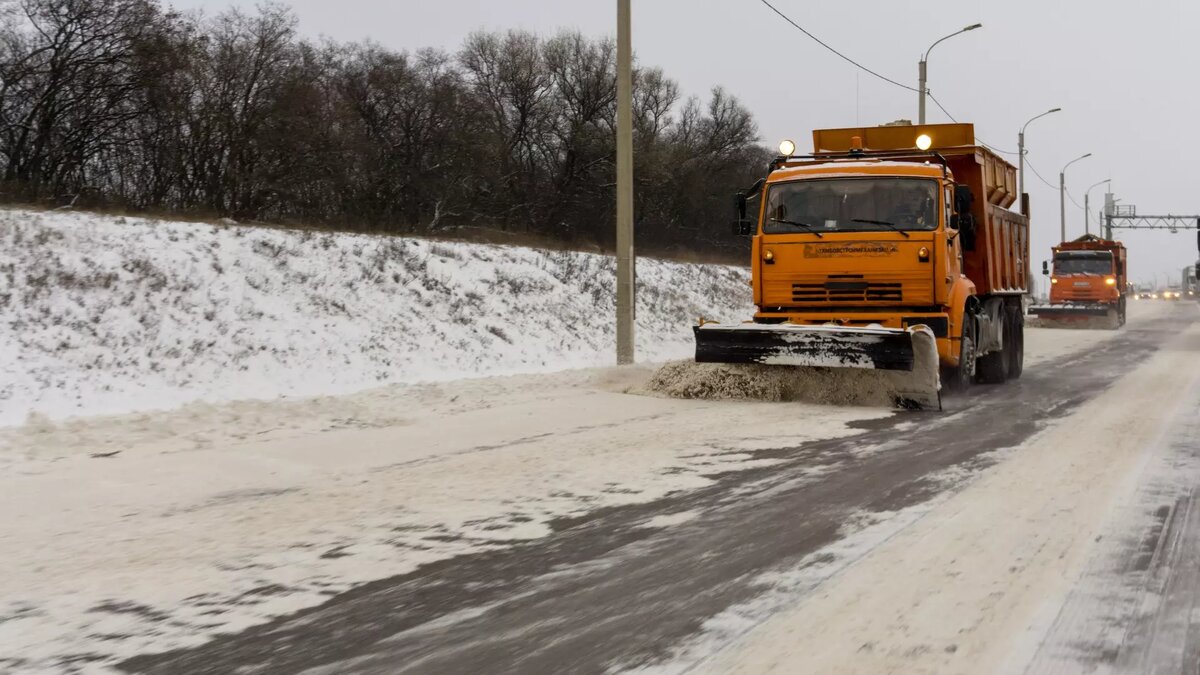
x=884, y=242
x=1088, y=282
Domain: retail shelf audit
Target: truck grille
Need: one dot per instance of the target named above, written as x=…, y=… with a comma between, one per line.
x=847, y=291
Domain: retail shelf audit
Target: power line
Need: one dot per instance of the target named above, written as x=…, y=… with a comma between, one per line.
x=843, y=56
x=952, y=119
x=940, y=106
x=1035, y=172
x=1077, y=204
x=1049, y=184
x=995, y=149
x=860, y=66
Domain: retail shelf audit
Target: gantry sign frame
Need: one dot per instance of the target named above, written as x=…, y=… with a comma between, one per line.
x=1135, y=222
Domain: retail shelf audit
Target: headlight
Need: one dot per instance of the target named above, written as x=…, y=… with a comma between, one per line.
x=924, y=142
x=1053, y=280
x=787, y=148
x=1111, y=281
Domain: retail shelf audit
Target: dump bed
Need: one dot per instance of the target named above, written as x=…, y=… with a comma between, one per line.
x=996, y=258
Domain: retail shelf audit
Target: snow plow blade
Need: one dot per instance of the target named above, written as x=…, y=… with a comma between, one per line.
x=1069, y=311
x=1094, y=316
x=910, y=354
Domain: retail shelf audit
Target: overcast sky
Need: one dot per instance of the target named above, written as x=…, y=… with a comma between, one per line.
x=1125, y=74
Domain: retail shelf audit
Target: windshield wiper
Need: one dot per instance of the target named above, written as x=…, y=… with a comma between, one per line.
x=881, y=222
x=798, y=224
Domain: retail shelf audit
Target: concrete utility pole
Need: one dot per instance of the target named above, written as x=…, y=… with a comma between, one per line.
x=921, y=70
x=1087, y=211
x=1062, y=196
x=626, y=300
x=1021, y=158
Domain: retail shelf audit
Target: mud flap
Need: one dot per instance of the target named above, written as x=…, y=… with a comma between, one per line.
x=909, y=357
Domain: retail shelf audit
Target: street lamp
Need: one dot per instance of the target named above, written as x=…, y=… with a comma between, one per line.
x=921, y=68
x=1062, y=195
x=1087, y=212
x=1021, y=158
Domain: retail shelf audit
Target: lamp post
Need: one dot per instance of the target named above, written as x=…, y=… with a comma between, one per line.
x=1062, y=195
x=921, y=68
x=1021, y=158
x=1087, y=212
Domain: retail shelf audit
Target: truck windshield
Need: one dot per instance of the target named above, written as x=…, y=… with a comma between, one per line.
x=852, y=205
x=1092, y=262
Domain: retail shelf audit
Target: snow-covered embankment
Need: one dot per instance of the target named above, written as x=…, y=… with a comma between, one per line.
x=103, y=314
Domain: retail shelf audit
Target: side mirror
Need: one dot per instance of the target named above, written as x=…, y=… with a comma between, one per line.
x=743, y=226
x=955, y=221
x=963, y=198
x=966, y=222
x=1046, y=268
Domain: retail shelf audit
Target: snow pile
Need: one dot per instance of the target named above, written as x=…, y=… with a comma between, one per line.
x=720, y=381
x=811, y=384
x=104, y=314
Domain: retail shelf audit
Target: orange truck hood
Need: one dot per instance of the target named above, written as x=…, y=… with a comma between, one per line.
x=847, y=271
x=1081, y=288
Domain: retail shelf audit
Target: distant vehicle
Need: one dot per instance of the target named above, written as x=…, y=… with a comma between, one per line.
x=1088, y=281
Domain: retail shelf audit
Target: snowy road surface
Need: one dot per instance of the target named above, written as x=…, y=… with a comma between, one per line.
x=555, y=523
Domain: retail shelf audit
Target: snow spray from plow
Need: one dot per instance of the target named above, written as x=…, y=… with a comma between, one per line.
x=824, y=364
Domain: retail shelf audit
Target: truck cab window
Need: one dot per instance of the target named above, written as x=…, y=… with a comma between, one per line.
x=1086, y=263
x=853, y=205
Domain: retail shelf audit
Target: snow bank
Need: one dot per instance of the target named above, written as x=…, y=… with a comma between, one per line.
x=103, y=314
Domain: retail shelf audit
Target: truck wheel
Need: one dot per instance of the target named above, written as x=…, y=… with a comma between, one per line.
x=960, y=377
x=1016, y=364
x=993, y=367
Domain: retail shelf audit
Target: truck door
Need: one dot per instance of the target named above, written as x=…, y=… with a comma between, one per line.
x=953, y=243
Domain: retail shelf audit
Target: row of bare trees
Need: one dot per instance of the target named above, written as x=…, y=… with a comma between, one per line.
x=125, y=103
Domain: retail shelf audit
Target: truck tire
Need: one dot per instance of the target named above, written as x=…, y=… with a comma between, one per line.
x=993, y=367
x=1016, y=363
x=960, y=377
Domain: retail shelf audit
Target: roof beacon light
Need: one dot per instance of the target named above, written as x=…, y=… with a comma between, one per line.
x=787, y=148
x=924, y=142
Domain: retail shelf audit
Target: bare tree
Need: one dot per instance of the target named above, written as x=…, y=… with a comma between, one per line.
x=236, y=115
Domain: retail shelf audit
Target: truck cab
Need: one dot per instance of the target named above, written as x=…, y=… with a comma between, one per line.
x=896, y=227
x=1084, y=276
x=861, y=242
x=1089, y=281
